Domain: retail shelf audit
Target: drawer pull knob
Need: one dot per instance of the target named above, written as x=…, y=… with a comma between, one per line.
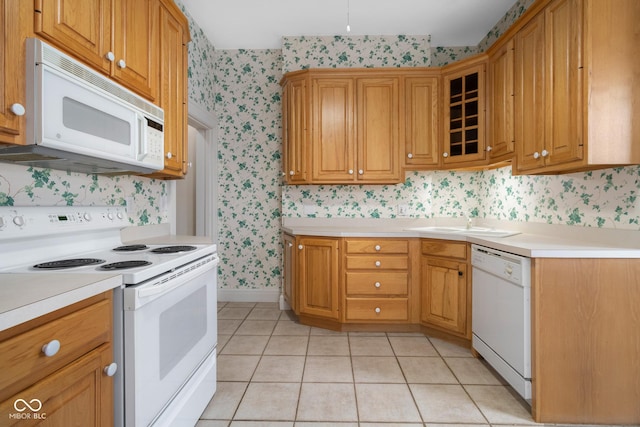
x=378, y=247
x=110, y=370
x=377, y=284
x=378, y=263
x=377, y=310
x=18, y=109
x=51, y=348
x=460, y=273
x=300, y=247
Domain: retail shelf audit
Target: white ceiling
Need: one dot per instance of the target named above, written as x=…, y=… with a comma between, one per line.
x=260, y=24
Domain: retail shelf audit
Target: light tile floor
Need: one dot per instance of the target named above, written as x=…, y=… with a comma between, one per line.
x=274, y=372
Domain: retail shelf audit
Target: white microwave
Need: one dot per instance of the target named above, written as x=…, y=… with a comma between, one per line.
x=79, y=120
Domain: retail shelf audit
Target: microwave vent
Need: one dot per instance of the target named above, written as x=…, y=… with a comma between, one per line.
x=54, y=58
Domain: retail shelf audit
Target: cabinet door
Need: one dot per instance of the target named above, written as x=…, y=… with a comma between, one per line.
x=81, y=27
x=80, y=394
x=377, y=129
x=135, y=45
x=421, y=121
x=172, y=95
x=501, y=135
x=444, y=294
x=13, y=19
x=333, y=155
x=464, y=115
x=563, y=74
x=530, y=96
x=295, y=131
x=318, y=276
x=289, y=276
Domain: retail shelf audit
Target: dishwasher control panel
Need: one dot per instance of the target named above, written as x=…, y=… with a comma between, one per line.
x=513, y=268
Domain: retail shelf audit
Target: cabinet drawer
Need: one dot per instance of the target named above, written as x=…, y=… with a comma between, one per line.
x=444, y=248
x=377, y=246
x=22, y=360
x=382, y=262
x=382, y=283
x=377, y=309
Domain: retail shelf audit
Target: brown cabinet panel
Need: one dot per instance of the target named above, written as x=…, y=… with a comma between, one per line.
x=318, y=278
x=381, y=246
x=421, y=120
x=377, y=309
x=376, y=283
x=294, y=131
x=289, y=280
x=444, y=248
x=444, y=294
x=390, y=262
x=500, y=82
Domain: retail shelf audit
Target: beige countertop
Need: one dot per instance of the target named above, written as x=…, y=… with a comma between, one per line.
x=25, y=296
x=531, y=240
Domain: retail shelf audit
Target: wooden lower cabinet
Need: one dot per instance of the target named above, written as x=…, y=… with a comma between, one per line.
x=70, y=386
x=585, y=341
x=289, y=271
x=318, y=279
x=446, y=287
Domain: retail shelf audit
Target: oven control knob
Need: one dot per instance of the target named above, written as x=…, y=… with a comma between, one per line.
x=86, y=216
x=18, y=220
x=51, y=348
x=111, y=369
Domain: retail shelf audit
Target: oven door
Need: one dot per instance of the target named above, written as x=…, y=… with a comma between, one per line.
x=170, y=327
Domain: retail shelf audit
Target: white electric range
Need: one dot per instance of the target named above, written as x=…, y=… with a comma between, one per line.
x=165, y=312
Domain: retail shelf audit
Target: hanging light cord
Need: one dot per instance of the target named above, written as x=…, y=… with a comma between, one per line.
x=348, y=17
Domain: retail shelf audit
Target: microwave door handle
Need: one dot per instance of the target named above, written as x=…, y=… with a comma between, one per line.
x=143, y=146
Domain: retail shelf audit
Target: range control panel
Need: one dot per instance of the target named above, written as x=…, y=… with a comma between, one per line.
x=22, y=222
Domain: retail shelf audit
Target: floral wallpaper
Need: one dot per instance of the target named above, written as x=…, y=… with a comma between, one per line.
x=301, y=52
x=248, y=106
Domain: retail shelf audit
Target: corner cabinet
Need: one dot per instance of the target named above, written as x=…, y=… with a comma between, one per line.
x=422, y=120
x=318, y=266
x=576, y=74
x=446, y=287
x=464, y=112
x=344, y=128
x=289, y=271
x=73, y=380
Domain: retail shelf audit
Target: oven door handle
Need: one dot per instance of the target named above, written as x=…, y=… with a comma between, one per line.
x=158, y=289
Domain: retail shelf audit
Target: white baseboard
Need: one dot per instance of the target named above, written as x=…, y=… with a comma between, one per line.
x=248, y=295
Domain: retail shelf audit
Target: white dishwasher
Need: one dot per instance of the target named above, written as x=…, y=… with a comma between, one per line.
x=501, y=321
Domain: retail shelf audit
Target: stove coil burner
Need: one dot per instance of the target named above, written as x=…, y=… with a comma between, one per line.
x=69, y=263
x=131, y=248
x=124, y=264
x=173, y=249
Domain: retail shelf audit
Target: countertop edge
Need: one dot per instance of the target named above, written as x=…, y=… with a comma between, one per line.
x=24, y=313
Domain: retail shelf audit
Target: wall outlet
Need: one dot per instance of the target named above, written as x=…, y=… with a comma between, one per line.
x=403, y=210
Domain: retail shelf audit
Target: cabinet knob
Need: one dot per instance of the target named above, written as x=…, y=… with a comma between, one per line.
x=350, y=171
x=536, y=155
x=377, y=284
x=111, y=369
x=169, y=155
x=378, y=263
x=51, y=348
x=360, y=172
x=18, y=109
x=544, y=153
x=110, y=56
x=377, y=310
x=300, y=246
x=122, y=64
x=489, y=148
x=292, y=173
x=377, y=248
x=445, y=154
x=460, y=273
x=410, y=155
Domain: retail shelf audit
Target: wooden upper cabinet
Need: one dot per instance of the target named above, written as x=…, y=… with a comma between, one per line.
x=173, y=38
x=377, y=130
x=295, y=134
x=464, y=112
x=333, y=146
x=421, y=121
x=117, y=37
x=15, y=22
x=576, y=81
x=500, y=88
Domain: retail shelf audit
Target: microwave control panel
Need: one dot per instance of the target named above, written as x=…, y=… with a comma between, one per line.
x=155, y=146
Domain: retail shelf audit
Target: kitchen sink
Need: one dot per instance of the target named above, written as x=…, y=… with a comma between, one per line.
x=472, y=231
